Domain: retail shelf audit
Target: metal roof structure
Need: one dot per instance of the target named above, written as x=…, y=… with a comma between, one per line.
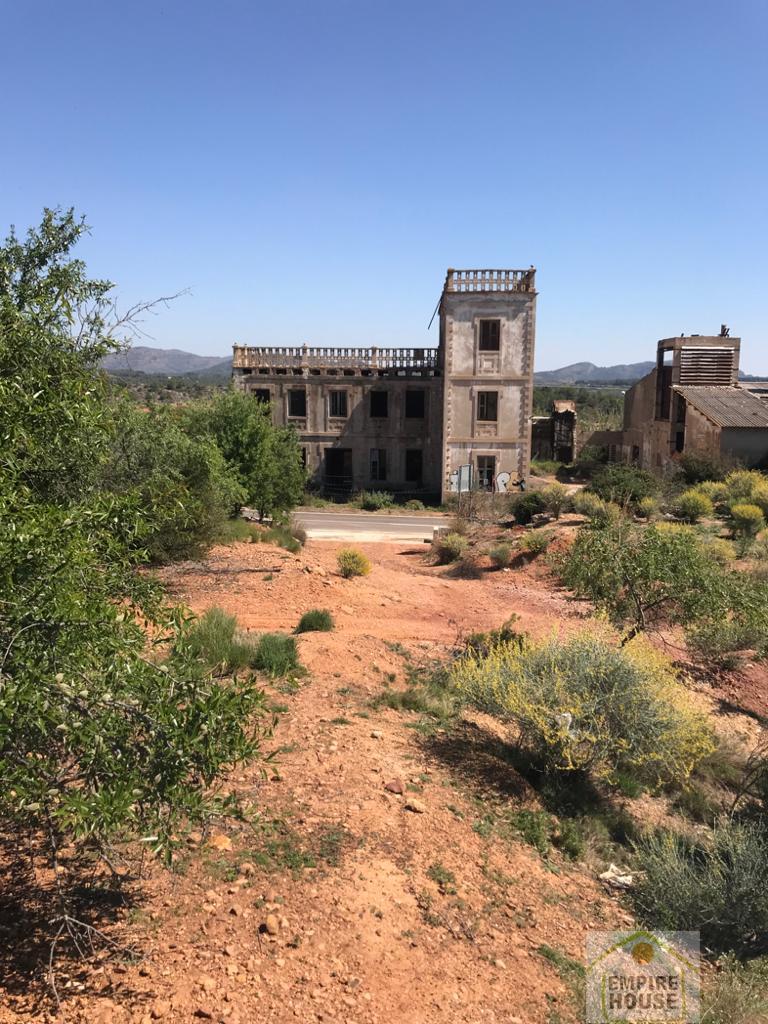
x=726, y=406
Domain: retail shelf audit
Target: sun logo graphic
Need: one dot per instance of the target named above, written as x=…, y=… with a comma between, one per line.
x=643, y=977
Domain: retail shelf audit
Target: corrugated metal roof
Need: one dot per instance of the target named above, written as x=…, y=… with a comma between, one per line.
x=727, y=406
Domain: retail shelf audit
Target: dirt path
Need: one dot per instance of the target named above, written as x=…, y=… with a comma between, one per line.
x=355, y=907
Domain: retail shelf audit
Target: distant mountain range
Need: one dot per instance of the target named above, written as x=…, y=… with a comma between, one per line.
x=167, y=362
x=588, y=373
x=172, y=362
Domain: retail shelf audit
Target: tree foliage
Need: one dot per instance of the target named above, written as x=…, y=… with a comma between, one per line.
x=109, y=726
x=643, y=576
x=265, y=459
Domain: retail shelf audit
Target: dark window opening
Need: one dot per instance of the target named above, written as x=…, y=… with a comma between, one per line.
x=413, y=465
x=415, y=404
x=486, y=472
x=304, y=457
x=338, y=404
x=379, y=405
x=378, y=464
x=338, y=465
x=490, y=335
x=488, y=406
x=262, y=395
x=297, y=402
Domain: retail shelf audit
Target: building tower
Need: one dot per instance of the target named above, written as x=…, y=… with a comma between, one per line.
x=487, y=334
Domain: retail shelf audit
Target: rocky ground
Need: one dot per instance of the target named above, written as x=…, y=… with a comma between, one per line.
x=374, y=886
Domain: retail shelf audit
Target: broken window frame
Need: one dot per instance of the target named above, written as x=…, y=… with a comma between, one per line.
x=410, y=397
x=378, y=465
x=338, y=397
x=293, y=394
x=487, y=406
x=489, y=335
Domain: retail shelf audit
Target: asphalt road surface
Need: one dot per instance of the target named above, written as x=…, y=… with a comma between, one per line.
x=367, y=525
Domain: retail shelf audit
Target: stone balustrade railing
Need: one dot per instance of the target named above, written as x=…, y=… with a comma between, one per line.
x=491, y=280
x=305, y=357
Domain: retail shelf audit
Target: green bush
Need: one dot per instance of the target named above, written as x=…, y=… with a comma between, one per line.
x=525, y=506
x=586, y=705
x=280, y=536
x=748, y=520
x=373, y=501
x=625, y=485
x=468, y=567
x=318, y=620
x=182, y=482
x=352, y=562
x=600, y=513
x=697, y=467
x=233, y=530
x=718, y=886
x=719, y=550
x=742, y=485
x=647, y=508
x=535, y=542
x=449, y=547
x=555, y=498
x=735, y=993
x=275, y=655
x=501, y=555
x=644, y=575
x=415, y=505
x=213, y=639
x=693, y=505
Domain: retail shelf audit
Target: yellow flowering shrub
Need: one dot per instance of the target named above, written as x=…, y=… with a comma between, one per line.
x=585, y=704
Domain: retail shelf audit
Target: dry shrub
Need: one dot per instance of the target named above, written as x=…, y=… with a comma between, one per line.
x=585, y=704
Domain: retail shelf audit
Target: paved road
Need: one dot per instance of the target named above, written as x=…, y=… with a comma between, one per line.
x=367, y=525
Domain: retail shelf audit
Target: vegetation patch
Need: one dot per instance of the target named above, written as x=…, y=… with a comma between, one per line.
x=352, y=562
x=318, y=620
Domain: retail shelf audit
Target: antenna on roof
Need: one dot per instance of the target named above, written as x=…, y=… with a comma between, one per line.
x=725, y=331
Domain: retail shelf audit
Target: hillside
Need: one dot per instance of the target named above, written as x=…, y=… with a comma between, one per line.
x=589, y=373
x=170, y=361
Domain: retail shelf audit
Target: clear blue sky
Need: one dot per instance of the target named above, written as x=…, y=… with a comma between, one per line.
x=309, y=168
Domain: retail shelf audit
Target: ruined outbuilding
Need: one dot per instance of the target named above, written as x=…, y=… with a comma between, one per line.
x=406, y=419
x=691, y=402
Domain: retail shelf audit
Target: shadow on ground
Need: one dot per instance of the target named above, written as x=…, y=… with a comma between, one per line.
x=31, y=917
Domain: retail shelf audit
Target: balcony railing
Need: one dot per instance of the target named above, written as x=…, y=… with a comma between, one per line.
x=304, y=357
x=491, y=280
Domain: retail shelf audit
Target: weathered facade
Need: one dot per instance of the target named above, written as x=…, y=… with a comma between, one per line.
x=406, y=419
x=554, y=436
x=691, y=402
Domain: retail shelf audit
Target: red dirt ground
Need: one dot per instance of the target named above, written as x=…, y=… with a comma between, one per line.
x=408, y=916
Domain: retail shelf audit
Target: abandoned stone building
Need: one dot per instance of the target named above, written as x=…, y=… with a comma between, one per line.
x=407, y=419
x=691, y=402
x=554, y=436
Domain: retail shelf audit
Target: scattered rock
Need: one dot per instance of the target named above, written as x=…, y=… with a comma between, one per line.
x=416, y=806
x=206, y=983
x=347, y=610
x=377, y=734
x=161, y=1009
x=271, y=925
x=395, y=786
x=220, y=842
x=247, y=868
